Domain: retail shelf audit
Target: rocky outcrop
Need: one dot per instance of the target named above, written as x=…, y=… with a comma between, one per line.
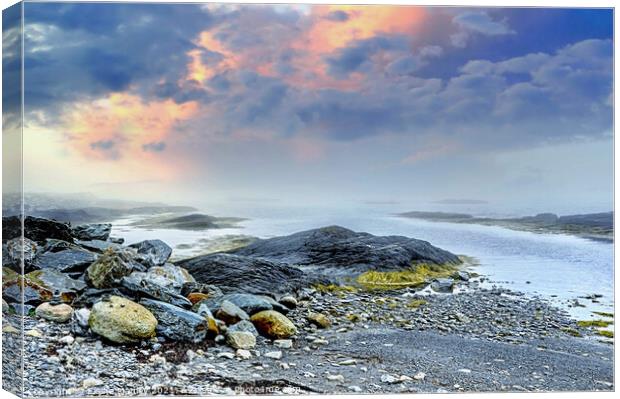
x=234, y=273
x=344, y=251
x=92, y=231
x=35, y=228
x=122, y=321
x=153, y=252
x=176, y=323
x=273, y=325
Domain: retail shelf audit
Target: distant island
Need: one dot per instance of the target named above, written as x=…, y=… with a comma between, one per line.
x=594, y=226
x=194, y=221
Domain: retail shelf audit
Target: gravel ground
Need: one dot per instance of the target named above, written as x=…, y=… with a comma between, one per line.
x=379, y=342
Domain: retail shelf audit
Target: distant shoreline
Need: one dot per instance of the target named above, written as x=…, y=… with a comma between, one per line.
x=593, y=226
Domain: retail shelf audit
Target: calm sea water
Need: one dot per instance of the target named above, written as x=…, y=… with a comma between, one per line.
x=559, y=268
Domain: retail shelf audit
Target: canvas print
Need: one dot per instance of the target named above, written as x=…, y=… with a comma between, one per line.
x=221, y=199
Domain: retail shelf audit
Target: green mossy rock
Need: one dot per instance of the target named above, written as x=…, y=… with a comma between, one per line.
x=109, y=268
x=122, y=321
x=273, y=324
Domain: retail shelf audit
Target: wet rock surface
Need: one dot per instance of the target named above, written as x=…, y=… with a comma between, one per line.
x=92, y=231
x=234, y=273
x=153, y=252
x=35, y=228
x=345, y=251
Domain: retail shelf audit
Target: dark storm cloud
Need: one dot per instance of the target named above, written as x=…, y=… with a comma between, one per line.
x=79, y=50
x=357, y=56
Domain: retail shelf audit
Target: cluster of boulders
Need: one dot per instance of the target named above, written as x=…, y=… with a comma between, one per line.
x=130, y=293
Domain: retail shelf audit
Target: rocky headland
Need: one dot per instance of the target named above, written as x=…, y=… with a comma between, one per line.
x=594, y=226
x=327, y=310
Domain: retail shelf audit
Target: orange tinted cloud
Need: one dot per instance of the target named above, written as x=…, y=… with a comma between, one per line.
x=315, y=40
x=119, y=125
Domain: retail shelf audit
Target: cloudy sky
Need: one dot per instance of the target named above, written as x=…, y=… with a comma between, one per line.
x=319, y=103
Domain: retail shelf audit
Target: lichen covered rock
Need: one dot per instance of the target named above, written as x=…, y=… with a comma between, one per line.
x=111, y=266
x=122, y=321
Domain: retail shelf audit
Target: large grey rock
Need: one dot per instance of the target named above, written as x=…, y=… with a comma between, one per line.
x=337, y=249
x=64, y=257
x=234, y=273
x=13, y=250
x=35, y=228
x=155, y=287
x=92, y=231
x=153, y=252
x=176, y=323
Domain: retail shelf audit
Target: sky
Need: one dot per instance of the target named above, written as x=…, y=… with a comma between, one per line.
x=187, y=103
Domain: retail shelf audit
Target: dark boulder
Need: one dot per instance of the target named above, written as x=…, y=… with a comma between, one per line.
x=153, y=252
x=177, y=323
x=35, y=228
x=342, y=251
x=92, y=231
x=234, y=273
x=63, y=256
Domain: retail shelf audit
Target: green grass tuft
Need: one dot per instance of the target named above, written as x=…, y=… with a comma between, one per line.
x=334, y=288
x=417, y=275
x=571, y=331
x=604, y=314
x=605, y=333
x=594, y=323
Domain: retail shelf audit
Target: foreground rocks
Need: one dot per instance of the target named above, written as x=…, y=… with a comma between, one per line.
x=361, y=355
x=228, y=321
x=122, y=321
